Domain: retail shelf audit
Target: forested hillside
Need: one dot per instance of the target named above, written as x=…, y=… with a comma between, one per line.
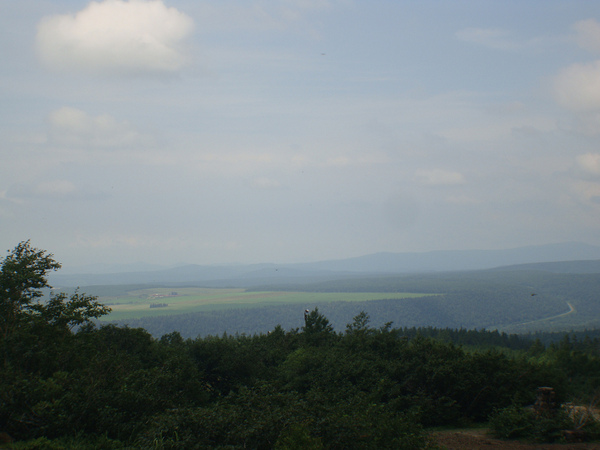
x=511, y=301
x=65, y=383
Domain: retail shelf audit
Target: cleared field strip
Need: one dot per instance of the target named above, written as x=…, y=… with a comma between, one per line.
x=168, y=301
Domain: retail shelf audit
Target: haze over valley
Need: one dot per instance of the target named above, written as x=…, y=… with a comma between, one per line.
x=174, y=132
x=523, y=290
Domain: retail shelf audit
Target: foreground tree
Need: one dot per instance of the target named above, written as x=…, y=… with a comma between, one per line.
x=23, y=276
x=38, y=349
x=317, y=331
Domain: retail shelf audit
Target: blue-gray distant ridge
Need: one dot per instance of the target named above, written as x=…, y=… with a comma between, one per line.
x=583, y=258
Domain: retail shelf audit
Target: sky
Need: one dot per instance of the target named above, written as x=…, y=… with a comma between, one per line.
x=217, y=132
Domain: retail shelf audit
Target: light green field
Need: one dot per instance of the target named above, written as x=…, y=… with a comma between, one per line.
x=136, y=304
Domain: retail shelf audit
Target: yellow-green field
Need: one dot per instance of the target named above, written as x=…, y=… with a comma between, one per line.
x=136, y=304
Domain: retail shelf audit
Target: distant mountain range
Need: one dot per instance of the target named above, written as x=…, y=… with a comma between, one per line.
x=570, y=257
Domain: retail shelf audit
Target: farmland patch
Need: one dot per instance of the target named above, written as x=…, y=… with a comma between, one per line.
x=167, y=301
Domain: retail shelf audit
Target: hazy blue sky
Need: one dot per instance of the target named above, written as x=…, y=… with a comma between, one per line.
x=296, y=130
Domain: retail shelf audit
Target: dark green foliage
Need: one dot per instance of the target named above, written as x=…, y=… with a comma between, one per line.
x=513, y=422
x=298, y=437
x=576, y=360
x=317, y=330
x=251, y=418
x=23, y=275
x=309, y=387
x=516, y=422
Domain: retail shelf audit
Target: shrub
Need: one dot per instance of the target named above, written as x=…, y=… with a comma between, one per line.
x=516, y=422
x=512, y=422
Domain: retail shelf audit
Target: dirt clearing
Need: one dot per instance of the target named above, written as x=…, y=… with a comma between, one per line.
x=480, y=439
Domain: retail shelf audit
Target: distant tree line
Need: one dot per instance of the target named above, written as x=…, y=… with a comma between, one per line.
x=464, y=309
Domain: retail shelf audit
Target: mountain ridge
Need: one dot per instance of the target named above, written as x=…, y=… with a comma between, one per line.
x=376, y=263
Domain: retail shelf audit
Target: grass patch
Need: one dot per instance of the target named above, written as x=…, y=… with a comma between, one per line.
x=137, y=304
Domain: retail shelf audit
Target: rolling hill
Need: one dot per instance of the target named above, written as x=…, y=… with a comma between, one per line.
x=379, y=263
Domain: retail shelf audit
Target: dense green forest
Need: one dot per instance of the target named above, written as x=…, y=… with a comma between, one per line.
x=522, y=299
x=67, y=383
x=515, y=300
x=508, y=300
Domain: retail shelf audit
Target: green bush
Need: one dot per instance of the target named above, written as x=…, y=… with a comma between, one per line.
x=298, y=437
x=516, y=422
x=513, y=422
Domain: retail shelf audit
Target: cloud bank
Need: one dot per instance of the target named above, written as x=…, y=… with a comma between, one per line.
x=116, y=37
x=495, y=38
x=590, y=163
x=588, y=34
x=577, y=87
x=71, y=126
x=439, y=177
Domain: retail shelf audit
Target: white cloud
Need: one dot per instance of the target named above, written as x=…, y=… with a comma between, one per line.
x=488, y=37
x=440, y=177
x=588, y=34
x=72, y=126
x=58, y=188
x=578, y=87
x=587, y=191
x=590, y=162
x=115, y=36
